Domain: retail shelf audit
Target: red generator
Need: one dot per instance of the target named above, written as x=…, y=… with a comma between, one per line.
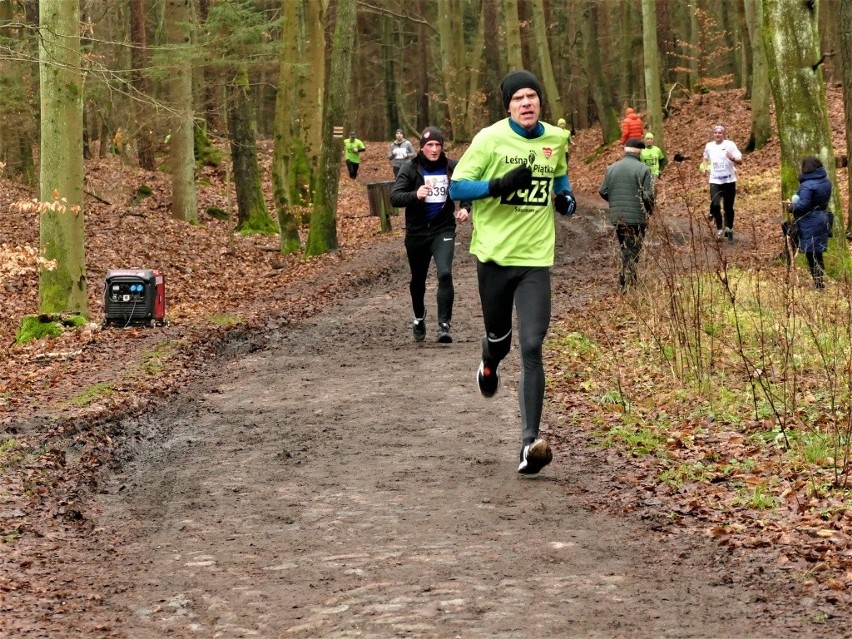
x=135, y=296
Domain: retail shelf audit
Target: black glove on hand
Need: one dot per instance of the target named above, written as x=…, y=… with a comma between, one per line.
x=518, y=178
x=565, y=203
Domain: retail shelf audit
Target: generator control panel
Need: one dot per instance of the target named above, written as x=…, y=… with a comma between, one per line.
x=126, y=292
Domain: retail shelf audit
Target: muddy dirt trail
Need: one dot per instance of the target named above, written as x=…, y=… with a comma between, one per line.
x=338, y=480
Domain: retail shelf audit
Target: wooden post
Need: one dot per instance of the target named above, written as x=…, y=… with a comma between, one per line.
x=378, y=194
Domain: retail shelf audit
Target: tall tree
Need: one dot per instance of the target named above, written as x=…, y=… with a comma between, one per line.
x=139, y=56
x=390, y=53
x=17, y=86
x=454, y=67
x=601, y=93
x=494, y=62
x=177, y=16
x=292, y=172
x=514, y=52
x=761, y=126
x=299, y=102
x=252, y=214
x=792, y=48
x=240, y=30
x=554, y=101
x=651, y=52
x=62, y=278
x=475, y=110
x=845, y=19
x=421, y=70
x=694, y=52
x=730, y=21
x=624, y=22
x=322, y=236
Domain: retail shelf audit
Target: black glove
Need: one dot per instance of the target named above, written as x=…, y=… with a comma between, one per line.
x=565, y=203
x=518, y=178
x=679, y=157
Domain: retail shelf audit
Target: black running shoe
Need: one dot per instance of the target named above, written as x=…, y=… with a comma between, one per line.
x=444, y=336
x=534, y=457
x=419, y=329
x=487, y=379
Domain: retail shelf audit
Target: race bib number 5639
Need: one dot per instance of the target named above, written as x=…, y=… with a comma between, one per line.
x=438, y=187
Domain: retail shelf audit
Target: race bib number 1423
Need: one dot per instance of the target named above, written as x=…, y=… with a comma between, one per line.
x=538, y=194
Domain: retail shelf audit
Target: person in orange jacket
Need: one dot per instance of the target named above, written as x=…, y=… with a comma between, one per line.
x=631, y=126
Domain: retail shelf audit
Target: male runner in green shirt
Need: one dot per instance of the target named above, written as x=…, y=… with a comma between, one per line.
x=515, y=171
x=654, y=157
x=353, y=147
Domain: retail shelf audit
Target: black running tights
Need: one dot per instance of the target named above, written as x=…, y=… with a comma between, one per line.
x=528, y=289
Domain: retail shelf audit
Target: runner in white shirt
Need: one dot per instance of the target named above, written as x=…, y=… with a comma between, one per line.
x=720, y=159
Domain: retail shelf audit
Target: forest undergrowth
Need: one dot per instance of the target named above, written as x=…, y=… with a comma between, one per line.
x=723, y=380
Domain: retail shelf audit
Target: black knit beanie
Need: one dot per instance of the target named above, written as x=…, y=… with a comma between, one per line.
x=431, y=134
x=518, y=80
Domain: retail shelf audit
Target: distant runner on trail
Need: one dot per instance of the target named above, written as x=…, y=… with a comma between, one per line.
x=353, y=147
x=720, y=157
x=515, y=169
x=400, y=151
x=422, y=187
x=653, y=157
x=562, y=124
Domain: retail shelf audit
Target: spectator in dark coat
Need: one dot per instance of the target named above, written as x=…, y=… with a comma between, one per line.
x=628, y=188
x=811, y=226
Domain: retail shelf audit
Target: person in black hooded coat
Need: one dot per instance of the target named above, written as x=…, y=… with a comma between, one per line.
x=422, y=186
x=812, y=222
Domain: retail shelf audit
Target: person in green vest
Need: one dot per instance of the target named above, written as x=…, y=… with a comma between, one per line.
x=562, y=124
x=354, y=148
x=653, y=156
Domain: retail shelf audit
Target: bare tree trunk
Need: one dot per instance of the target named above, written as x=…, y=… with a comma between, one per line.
x=182, y=140
x=475, y=112
x=845, y=19
x=630, y=30
x=554, y=101
x=421, y=71
x=139, y=57
x=62, y=237
x=579, y=88
x=492, y=73
x=453, y=67
x=694, y=39
x=732, y=25
x=792, y=49
x=761, y=126
x=252, y=213
x=389, y=60
x=652, y=72
x=212, y=94
x=514, y=53
x=290, y=167
x=17, y=135
x=322, y=236
x=601, y=92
